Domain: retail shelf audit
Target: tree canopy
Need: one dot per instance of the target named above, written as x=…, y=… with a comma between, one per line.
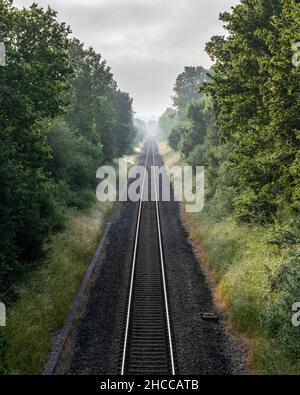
x=244, y=126
x=61, y=116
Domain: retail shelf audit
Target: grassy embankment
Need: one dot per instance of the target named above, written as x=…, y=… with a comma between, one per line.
x=45, y=295
x=245, y=265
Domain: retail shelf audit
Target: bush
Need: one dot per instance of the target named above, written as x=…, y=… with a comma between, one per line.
x=285, y=284
x=73, y=164
x=174, y=138
x=26, y=209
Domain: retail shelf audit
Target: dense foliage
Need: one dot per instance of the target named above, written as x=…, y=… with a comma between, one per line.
x=61, y=116
x=185, y=127
x=141, y=129
x=167, y=122
x=255, y=96
x=245, y=129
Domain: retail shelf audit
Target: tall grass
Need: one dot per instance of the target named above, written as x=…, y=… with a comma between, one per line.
x=258, y=280
x=46, y=295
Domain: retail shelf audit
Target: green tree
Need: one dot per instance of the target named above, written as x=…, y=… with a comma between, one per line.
x=141, y=129
x=32, y=87
x=194, y=128
x=255, y=93
x=187, y=124
x=187, y=86
x=167, y=122
x=92, y=81
x=98, y=109
x=124, y=130
x=105, y=124
x=175, y=136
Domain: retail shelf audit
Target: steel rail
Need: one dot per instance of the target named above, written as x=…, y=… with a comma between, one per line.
x=133, y=265
x=163, y=268
x=135, y=284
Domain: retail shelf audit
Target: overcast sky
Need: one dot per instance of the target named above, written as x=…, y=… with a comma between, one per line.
x=147, y=43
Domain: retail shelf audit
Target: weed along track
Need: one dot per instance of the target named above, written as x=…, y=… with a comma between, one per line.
x=148, y=345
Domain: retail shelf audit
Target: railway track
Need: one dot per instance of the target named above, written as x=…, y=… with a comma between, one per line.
x=148, y=343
